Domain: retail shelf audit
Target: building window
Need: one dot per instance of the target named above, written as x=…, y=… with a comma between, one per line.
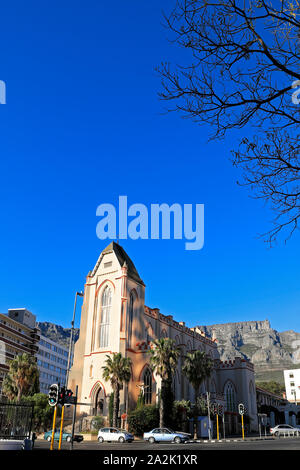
x=292, y=384
x=105, y=318
x=291, y=376
x=147, y=379
x=130, y=318
x=230, y=397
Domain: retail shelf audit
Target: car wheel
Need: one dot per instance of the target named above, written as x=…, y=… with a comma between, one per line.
x=49, y=438
x=177, y=440
x=121, y=439
x=69, y=439
x=276, y=434
x=151, y=440
x=100, y=439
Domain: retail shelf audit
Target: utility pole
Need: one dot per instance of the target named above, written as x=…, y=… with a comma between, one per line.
x=74, y=418
x=71, y=338
x=208, y=414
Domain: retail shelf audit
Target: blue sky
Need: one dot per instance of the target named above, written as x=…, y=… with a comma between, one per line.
x=83, y=125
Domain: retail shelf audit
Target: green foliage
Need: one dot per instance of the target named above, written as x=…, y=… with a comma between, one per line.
x=201, y=407
x=117, y=370
x=163, y=359
x=22, y=378
x=272, y=386
x=181, y=413
x=197, y=368
x=42, y=412
x=97, y=422
x=143, y=419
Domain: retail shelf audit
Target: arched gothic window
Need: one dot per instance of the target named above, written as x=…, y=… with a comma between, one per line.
x=147, y=379
x=130, y=318
x=230, y=397
x=105, y=317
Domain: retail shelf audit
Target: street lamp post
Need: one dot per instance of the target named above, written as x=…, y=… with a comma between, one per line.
x=80, y=294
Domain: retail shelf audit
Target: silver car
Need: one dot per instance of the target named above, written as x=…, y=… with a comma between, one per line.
x=284, y=429
x=114, y=435
x=166, y=435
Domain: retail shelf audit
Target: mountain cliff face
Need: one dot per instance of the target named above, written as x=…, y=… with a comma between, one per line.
x=57, y=333
x=270, y=351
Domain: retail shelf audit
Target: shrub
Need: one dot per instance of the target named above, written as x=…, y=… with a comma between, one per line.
x=143, y=419
x=97, y=422
x=181, y=413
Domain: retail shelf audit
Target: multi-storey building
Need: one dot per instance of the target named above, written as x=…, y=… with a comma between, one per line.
x=52, y=360
x=18, y=335
x=292, y=385
x=114, y=318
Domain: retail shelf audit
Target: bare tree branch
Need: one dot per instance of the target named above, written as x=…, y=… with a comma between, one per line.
x=242, y=58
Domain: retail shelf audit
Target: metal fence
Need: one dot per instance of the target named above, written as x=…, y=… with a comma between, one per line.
x=15, y=420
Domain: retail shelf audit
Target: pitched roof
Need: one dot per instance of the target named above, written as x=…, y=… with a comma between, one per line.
x=122, y=257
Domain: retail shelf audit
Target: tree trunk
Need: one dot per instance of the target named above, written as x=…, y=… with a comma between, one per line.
x=196, y=413
x=161, y=408
x=19, y=396
x=116, y=406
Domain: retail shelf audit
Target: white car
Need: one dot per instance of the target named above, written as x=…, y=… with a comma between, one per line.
x=284, y=429
x=114, y=435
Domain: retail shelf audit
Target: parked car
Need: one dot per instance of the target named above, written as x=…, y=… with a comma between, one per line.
x=165, y=435
x=114, y=435
x=66, y=436
x=282, y=429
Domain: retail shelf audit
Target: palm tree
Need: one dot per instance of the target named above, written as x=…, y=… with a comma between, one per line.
x=164, y=358
x=117, y=371
x=197, y=368
x=22, y=378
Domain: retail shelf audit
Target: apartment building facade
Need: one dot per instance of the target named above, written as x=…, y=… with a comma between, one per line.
x=52, y=361
x=18, y=335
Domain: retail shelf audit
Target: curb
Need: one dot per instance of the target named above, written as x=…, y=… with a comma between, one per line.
x=215, y=441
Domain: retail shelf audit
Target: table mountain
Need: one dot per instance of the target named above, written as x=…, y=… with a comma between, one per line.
x=57, y=333
x=270, y=351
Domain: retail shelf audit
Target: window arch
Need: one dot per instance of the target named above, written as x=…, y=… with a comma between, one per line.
x=105, y=317
x=230, y=397
x=130, y=317
x=147, y=379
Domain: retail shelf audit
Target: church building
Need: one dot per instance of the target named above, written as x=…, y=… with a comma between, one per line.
x=114, y=318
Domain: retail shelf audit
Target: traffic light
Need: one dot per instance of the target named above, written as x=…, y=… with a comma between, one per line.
x=220, y=410
x=241, y=409
x=53, y=395
x=61, y=396
x=68, y=396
